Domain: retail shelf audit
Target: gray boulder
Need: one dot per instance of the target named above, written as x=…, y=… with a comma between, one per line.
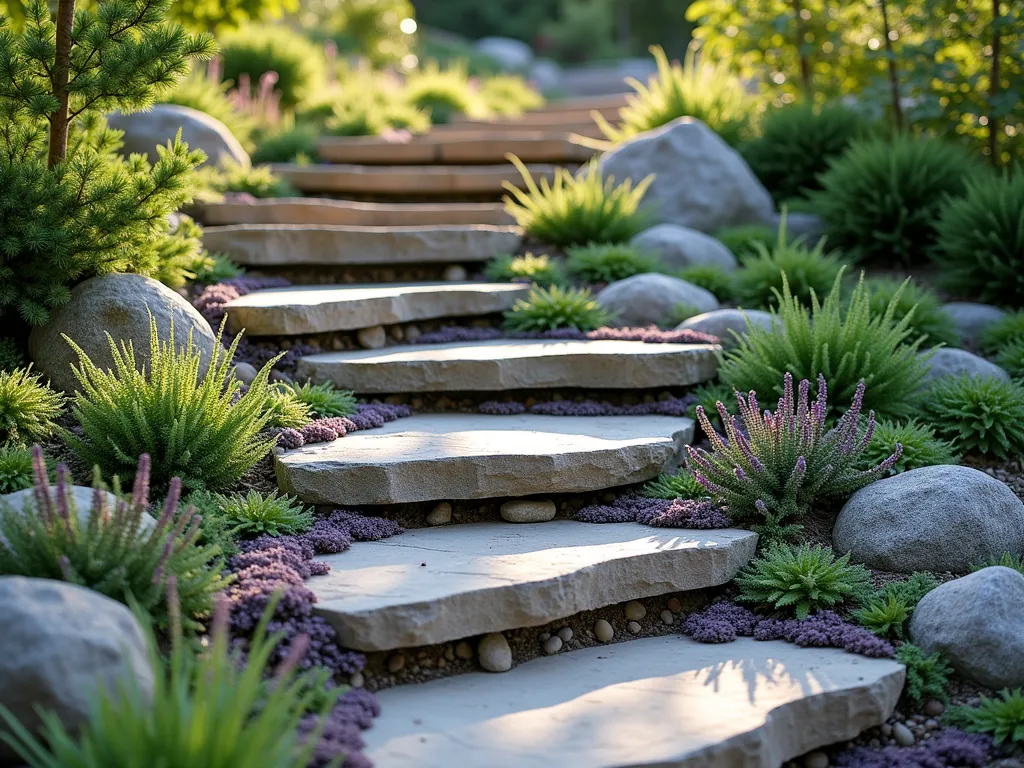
x=678, y=247
x=59, y=644
x=546, y=75
x=81, y=499
x=955, y=362
x=115, y=304
x=941, y=518
x=972, y=319
x=722, y=322
x=145, y=131
x=512, y=55
x=976, y=622
x=649, y=299
x=700, y=181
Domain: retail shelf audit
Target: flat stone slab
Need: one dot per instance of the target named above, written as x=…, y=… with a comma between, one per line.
x=484, y=147
x=430, y=457
x=662, y=701
x=266, y=245
x=431, y=585
x=319, y=210
x=503, y=364
x=316, y=309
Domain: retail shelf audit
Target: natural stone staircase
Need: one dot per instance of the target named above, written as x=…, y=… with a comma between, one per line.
x=318, y=210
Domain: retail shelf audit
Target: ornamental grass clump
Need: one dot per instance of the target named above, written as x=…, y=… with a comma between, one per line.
x=846, y=345
x=28, y=407
x=323, y=400
x=608, y=262
x=196, y=426
x=679, y=485
x=1000, y=716
x=977, y=414
x=120, y=552
x=542, y=270
x=577, y=209
x=545, y=309
x=773, y=467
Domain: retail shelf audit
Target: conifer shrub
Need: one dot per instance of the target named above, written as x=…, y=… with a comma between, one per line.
x=15, y=469
x=577, y=209
x=928, y=319
x=28, y=408
x=977, y=414
x=710, y=278
x=323, y=400
x=545, y=309
x=199, y=427
x=773, y=467
x=881, y=198
x=257, y=513
x=118, y=552
x=927, y=675
x=846, y=345
x=742, y=238
x=542, y=270
x=255, y=49
x=921, y=448
x=980, y=241
x=678, y=485
x=608, y=262
x=1000, y=716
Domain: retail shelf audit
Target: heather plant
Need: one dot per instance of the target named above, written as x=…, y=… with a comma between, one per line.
x=196, y=426
x=28, y=408
x=576, y=209
x=881, y=199
x=710, y=278
x=300, y=65
x=545, y=309
x=774, y=467
x=803, y=579
x=1008, y=560
x=845, y=345
x=15, y=469
x=703, y=89
x=678, y=485
x=118, y=552
x=323, y=400
x=977, y=414
x=928, y=318
x=927, y=675
x=608, y=262
x=1000, y=716
x=980, y=241
x=742, y=238
x=257, y=513
x=1004, y=331
x=11, y=357
x=921, y=448
x=542, y=269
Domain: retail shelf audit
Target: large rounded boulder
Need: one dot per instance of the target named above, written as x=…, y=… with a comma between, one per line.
x=700, y=181
x=941, y=518
x=972, y=319
x=723, y=323
x=145, y=131
x=120, y=305
x=679, y=247
x=650, y=298
x=977, y=624
x=957, y=362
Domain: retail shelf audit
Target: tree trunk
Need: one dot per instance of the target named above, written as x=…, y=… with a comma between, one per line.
x=805, y=64
x=59, y=81
x=894, y=87
x=993, y=89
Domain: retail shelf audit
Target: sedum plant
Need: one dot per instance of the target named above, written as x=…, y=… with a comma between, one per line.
x=545, y=309
x=680, y=485
x=608, y=262
x=196, y=426
x=772, y=467
x=322, y=400
x=119, y=552
x=542, y=270
x=846, y=345
x=803, y=579
x=921, y=448
x=977, y=414
x=577, y=209
x=28, y=407
x=1000, y=716
x=928, y=318
x=15, y=469
x=256, y=513
x=927, y=675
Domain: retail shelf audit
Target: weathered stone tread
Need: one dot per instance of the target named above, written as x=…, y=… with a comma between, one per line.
x=319, y=210
x=484, y=147
x=406, y=180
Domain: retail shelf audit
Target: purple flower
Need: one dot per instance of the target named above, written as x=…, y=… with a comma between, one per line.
x=501, y=408
x=316, y=432
x=290, y=438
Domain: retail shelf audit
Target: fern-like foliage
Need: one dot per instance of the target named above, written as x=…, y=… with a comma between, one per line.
x=679, y=485
x=577, y=209
x=542, y=269
x=323, y=400
x=118, y=552
x=1000, y=716
x=196, y=426
x=928, y=318
x=256, y=513
x=216, y=268
x=803, y=579
x=844, y=344
x=977, y=414
x=608, y=262
x=545, y=309
x=775, y=466
x=921, y=448
x=927, y=675
x=28, y=407
x=15, y=469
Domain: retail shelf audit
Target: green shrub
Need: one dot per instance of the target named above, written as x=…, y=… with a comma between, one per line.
x=921, y=448
x=112, y=551
x=205, y=710
x=545, y=309
x=886, y=617
x=286, y=410
x=678, y=485
x=216, y=268
x=28, y=407
x=1000, y=716
x=710, y=278
x=845, y=346
x=577, y=209
x=742, y=239
x=1007, y=330
x=443, y=93
x=608, y=262
x=708, y=396
x=257, y=513
x=323, y=400
x=1011, y=359
x=927, y=676
x=767, y=471
x=977, y=414
x=542, y=270
x=257, y=180
x=1008, y=560
x=980, y=241
x=291, y=145
x=255, y=49
x=509, y=95
x=15, y=469
x=880, y=200
x=373, y=114
x=796, y=143
x=706, y=90
x=11, y=356
x=911, y=589
x=200, y=92
x=803, y=578
x=196, y=427
x=928, y=320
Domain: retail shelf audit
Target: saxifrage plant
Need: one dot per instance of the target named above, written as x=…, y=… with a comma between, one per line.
x=887, y=612
x=28, y=408
x=978, y=414
x=678, y=485
x=256, y=513
x=323, y=400
x=545, y=309
x=1000, y=716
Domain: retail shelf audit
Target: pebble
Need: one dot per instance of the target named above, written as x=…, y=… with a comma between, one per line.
x=528, y=511
x=545, y=636
x=934, y=708
x=412, y=333
x=603, y=631
x=245, y=373
x=816, y=760
x=565, y=634
x=903, y=735
x=931, y=724
x=634, y=628
x=635, y=611
x=449, y=653
x=441, y=663
x=372, y=338
x=464, y=650
x=396, y=663
x=494, y=653
x=667, y=617
x=440, y=515
x=674, y=605
x=886, y=730
x=454, y=273
x=552, y=645
x=357, y=680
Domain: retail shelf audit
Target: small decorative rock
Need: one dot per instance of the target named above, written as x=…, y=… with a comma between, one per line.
x=372, y=338
x=396, y=663
x=440, y=515
x=412, y=333
x=650, y=299
x=523, y=511
x=903, y=735
x=667, y=618
x=634, y=628
x=357, y=680
x=544, y=636
x=603, y=631
x=635, y=611
x=464, y=650
x=552, y=645
x=455, y=274
x=494, y=653
x=565, y=634
x=674, y=605
x=954, y=362
x=678, y=247
x=972, y=319
x=934, y=708
x=245, y=373
x=722, y=323
x=816, y=760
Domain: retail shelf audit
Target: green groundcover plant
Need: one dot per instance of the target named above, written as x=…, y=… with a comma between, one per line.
x=28, y=408
x=542, y=269
x=608, y=262
x=545, y=309
x=15, y=469
x=927, y=675
x=928, y=317
x=322, y=400
x=977, y=414
x=710, y=278
x=256, y=513
x=1004, y=331
x=678, y=485
x=1000, y=716
x=888, y=610
x=921, y=448
x=742, y=238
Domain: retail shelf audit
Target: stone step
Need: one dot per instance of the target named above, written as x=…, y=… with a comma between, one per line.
x=506, y=364
x=432, y=585
x=407, y=180
x=268, y=245
x=319, y=210
x=430, y=457
x=579, y=124
x=550, y=119
x=471, y=148
x=585, y=104
x=662, y=701
x=318, y=309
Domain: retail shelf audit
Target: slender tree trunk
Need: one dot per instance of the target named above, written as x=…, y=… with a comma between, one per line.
x=894, y=87
x=59, y=81
x=993, y=89
x=805, y=64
